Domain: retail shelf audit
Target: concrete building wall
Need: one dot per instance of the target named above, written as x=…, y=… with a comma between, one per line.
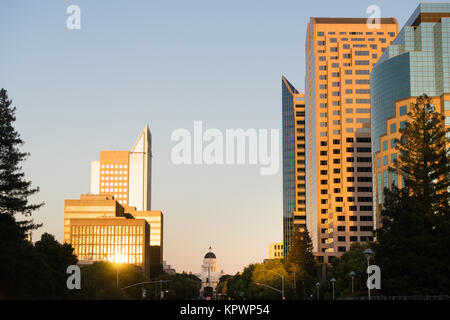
x=340, y=54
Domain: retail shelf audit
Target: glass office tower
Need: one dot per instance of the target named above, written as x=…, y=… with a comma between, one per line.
x=294, y=176
x=417, y=62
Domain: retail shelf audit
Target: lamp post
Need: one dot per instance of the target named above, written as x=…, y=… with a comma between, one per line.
x=144, y=292
x=118, y=259
x=368, y=252
x=117, y=275
x=333, y=281
x=282, y=283
x=352, y=274
x=318, y=286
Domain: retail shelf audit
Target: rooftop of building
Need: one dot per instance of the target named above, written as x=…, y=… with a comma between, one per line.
x=329, y=20
x=428, y=12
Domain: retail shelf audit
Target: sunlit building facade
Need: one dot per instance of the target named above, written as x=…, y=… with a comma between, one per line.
x=294, y=172
x=276, y=250
x=340, y=54
x=126, y=174
x=99, y=230
x=156, y=221
x=416, y=63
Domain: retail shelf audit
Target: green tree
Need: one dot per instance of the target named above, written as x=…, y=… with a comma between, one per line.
x=301, y=252
x=302, y=264
x=99, y=282
x=14, y=188
x=57, y=257
x=413, y=244
x=222, y=285
x=352, y=260
x=424, y=159
x=268, y=273
x=180, y=286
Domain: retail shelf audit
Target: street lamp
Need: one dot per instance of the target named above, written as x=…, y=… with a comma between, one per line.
x=267, y=286
x=368, y=252
x=118, y=259
x=352, y=274
x=318, y=286
x=333, y=281
x=282, y=283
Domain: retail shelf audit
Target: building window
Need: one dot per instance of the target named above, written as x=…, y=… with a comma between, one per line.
x=393, y=127
x=402, y=110
x=393, y=157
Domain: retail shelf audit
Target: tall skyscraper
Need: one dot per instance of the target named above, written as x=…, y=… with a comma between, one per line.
x=417, y=62
x=114, y=222
x=126, y=174
x=340, y=54
x=294, y=183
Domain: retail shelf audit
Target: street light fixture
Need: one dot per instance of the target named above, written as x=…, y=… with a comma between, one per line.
x=352, y=274
x=333, y=281
x=368, y=252
x=274, y=289
x=118, y=259
x=318, y=286
x=282, y=283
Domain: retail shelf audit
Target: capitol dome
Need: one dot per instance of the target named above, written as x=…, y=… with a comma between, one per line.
x=210, y=273
x=210, y=255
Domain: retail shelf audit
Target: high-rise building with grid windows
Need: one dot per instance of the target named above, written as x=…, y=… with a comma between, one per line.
x=114, y=222
x=416, y=63
x=126, y=174
x=340, y=54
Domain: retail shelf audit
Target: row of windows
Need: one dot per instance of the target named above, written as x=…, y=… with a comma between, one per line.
x=115, y=166
x=116, y=184
x=113, y=178
x=353, y=218
x=349, y=169
x=338, y=122
x=349, y=149
x=379, y=33
x=349, y=189
x=350, y=208
x=107, y=230
x=349, y=159
x=347, y=46
x=351, y=238
x=133, y=259
x=107, y=239
x=113, y=190
x=115, y=172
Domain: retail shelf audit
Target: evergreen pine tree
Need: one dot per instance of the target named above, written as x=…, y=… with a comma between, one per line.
x=301, y=262
x=14, y=188
x=413, y=243
x=424, y=160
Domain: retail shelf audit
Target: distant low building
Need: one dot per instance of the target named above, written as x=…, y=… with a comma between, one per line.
x=167, y=268
x=276, y=250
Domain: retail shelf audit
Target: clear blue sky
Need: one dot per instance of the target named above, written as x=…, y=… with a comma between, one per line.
x=165, y=63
